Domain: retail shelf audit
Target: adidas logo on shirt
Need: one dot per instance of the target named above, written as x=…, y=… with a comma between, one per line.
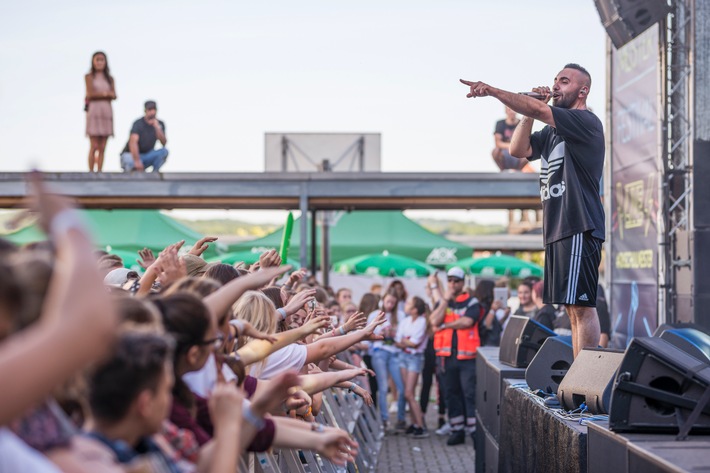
x=584, y=298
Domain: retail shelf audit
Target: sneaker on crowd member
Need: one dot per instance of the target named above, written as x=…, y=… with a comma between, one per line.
x=420, y=433
x=444, y=429
x=410, y=430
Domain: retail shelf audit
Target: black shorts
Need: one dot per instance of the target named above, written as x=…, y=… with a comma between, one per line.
x=572, y=270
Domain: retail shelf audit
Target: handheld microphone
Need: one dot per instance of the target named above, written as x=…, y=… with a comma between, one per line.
x=534, y=95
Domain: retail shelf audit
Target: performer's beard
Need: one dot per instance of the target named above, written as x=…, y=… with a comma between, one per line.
x=564, y=100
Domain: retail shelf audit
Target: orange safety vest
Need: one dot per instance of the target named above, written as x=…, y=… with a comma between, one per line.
x=468, y=339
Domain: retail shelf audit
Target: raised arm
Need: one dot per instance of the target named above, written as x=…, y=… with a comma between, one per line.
x=221, y=300
x=257, y=350
x=523, y=104
x=78, y=319
x=330, y=346
x=317, y=382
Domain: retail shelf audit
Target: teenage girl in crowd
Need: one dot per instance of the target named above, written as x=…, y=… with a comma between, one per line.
x=384, y=359
x=412, y=340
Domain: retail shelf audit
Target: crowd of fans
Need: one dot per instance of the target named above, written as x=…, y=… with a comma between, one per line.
x=188, y=365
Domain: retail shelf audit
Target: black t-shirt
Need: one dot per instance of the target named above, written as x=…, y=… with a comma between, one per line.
x=469, y=307
x=146, y=135
x=572, y=156
x=505, y=130
x=546, y=316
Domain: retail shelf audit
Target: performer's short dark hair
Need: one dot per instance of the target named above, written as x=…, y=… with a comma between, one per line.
x=579, y=68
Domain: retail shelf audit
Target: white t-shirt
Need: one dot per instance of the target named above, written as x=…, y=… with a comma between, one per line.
x=16, y=455
x=203, y=381
x=414, y=331
x=380, y=344
x=290, y=357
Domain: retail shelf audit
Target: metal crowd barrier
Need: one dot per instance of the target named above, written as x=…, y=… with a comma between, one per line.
x=340, y=409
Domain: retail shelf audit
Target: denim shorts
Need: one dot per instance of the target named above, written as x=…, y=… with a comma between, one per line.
x=411, y=361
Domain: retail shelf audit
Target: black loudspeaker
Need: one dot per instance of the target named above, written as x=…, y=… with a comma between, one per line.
x=550, y=364
x=590, y=380
x=694, y=342
x=663, y=327
x=624, y=20
x=522, y=338
x=660, y=388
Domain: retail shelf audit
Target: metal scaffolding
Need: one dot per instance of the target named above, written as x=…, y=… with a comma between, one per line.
x=675, y=220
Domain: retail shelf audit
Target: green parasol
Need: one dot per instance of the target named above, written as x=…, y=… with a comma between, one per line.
x=499, y=265
x=383, y=264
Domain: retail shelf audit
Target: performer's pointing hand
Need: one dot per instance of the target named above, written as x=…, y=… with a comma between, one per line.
x=478, y=89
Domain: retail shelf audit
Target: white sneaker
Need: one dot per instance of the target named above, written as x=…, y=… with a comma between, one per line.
x=444, y=430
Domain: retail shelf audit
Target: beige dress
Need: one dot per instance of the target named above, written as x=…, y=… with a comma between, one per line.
x=99, y=116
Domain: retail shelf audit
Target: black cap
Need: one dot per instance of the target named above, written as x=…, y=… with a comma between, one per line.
x=150, y=105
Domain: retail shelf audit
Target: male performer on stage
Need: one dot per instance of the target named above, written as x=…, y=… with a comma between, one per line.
x=571, y=147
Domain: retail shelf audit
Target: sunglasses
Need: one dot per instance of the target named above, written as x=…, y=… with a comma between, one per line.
x=216, y=342
x=454, y=279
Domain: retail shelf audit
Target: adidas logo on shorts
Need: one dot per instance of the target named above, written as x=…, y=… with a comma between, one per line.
x=584, y=298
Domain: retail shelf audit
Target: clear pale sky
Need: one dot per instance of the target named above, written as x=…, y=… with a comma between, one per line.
x=225, y=72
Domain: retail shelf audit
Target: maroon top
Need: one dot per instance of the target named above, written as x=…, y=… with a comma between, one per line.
x=201, y=425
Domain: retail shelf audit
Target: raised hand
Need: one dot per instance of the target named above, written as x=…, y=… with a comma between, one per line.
x=269, y=258
x=46, y=204
x=296, y=277
x=299, y=300
x=202, y=245
x=477, y=89
x=225, y=405
x=146, y=258
x=337, y=446
x=170, y=268
x=356, y=321
x=315, y=323
x=249, y=331
x=279, y=389
x=370, y=328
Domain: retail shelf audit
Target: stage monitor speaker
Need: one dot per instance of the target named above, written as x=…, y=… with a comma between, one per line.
x=624, y=20
x=660, y=388
x=694, y=342
x=522, y=338
x=550, y=364
x=663, y=327
x=590, y=380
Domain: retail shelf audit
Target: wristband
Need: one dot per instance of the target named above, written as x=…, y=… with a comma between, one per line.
x=64, y=221
x=282, y=311
x=239, y=325
x=316, y=427
x=433, y=286
x=352, y=387
x=342, y=331
x=252, y=418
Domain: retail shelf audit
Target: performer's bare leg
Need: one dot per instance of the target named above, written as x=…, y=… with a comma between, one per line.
x=585, y=327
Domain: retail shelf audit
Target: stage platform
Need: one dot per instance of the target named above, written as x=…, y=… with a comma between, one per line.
x=533, y=439
x=517, y=433
x=644, y=453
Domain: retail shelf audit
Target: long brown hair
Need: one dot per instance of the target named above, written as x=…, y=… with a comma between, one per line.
x=107, y=71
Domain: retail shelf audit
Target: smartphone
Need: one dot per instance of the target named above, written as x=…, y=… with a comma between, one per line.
x=312, y=304
x=501, y=294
